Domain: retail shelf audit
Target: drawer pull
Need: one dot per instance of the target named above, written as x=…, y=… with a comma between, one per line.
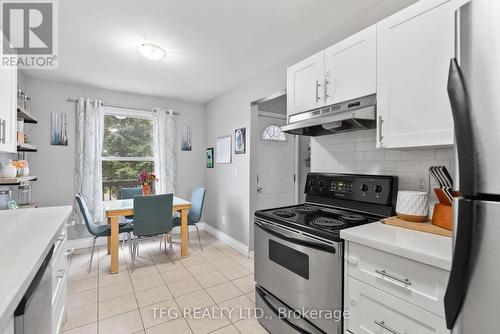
x=405, y=281
x=384, y=326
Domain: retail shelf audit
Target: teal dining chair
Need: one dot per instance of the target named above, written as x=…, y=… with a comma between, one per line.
x=129, y=193
x=152, y=217
x=194, y=215
x=99, y=230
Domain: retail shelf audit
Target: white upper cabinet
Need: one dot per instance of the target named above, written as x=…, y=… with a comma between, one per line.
x=305, y=84
x=8, y=109
x=414, y=47
x=351, y=67
x=344, y=71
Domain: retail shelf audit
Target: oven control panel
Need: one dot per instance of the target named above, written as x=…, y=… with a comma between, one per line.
x=376, y=189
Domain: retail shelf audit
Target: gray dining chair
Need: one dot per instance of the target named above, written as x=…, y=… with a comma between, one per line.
x=152, y=217
x=194, y=215
x=99, y=230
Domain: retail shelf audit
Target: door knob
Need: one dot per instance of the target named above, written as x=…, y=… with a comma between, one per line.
x=259, y=189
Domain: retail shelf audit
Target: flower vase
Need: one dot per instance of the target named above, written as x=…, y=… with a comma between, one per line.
x=25, y=171
x=146, y=189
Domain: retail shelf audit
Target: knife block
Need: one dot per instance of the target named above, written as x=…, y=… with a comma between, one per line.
x=442, y=215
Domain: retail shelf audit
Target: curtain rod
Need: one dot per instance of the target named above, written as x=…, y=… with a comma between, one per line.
x=69, y=99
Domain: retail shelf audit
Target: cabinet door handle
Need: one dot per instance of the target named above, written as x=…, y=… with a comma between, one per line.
x=379, y=130
x=405, y=281
x=352, y=260
x=2, y=125
x=326, y=95
x=384, y=326
x=318, y=98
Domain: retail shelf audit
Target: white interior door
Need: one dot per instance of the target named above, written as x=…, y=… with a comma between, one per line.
x=275, y=167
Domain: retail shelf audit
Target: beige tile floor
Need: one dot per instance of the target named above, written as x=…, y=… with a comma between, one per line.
x=213, y=282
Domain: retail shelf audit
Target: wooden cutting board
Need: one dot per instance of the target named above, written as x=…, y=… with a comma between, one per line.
x=426, y=227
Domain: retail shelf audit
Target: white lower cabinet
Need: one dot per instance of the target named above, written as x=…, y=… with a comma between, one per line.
x=387, y=293
x=374, y=311
x=59, y=280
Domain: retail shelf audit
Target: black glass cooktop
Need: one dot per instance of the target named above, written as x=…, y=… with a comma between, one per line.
x=320, y=220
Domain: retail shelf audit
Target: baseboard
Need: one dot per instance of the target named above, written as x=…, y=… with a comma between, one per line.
x=228, y=240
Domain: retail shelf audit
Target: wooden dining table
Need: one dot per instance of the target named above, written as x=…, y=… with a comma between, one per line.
x=125, y=207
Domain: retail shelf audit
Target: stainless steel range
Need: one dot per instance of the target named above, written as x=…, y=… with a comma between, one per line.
x=299, y=254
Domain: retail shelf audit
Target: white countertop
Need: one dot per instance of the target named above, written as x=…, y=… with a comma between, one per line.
x=26, y=237
x=431, y=249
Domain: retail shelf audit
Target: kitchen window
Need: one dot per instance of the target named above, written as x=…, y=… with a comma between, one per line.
x=127, y=149
x=273, y=132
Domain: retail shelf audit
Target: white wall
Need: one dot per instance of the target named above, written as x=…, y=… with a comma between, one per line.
x=228, y=194
x=54, y=165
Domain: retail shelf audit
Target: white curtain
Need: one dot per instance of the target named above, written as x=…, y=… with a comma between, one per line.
x=165, y=141
x=88, y=173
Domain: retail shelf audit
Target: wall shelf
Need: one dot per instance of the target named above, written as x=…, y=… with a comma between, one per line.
x=14, y=181
x=26, y=117
x=26, y=148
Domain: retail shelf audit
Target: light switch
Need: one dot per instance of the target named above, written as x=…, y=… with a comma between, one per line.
x=235, y=171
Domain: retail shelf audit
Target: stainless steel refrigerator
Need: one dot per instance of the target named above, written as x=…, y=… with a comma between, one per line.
x=472, y=299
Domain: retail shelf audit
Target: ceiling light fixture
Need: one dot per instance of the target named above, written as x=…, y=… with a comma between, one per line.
x=151, y=51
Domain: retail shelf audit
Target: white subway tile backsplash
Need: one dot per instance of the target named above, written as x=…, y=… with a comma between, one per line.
x=375, y=156
x=355, y=152
x=396, y=155
x=355, y=156
x=408, y=166
x=427, y=154
x=365, y=146
x=444, y=154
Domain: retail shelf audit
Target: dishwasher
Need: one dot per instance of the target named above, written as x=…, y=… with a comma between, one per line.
x=33, y=315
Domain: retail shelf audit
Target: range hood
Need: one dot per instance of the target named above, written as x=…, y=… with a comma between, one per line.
x=352, y=115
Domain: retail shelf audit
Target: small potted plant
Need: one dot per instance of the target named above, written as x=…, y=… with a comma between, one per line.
x=145, y=179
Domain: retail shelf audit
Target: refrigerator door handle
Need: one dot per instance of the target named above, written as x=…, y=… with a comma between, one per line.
x=461, y=267
x=460, y=108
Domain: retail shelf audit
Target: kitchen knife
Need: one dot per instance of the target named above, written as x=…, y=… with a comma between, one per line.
x=447, y=177
x=434, y=173
x=448, y=193
x=443, y=177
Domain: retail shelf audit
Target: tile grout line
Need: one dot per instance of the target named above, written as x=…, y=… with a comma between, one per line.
x=207, y=257
x=174, y=298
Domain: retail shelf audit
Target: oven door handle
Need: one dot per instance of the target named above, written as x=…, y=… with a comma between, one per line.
x=296, y=238
x=273, y=309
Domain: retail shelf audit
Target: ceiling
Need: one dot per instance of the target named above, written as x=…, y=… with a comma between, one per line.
x=211, y=45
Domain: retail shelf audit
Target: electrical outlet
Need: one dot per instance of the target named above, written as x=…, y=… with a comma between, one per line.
x=422, y=182
x=223, y=220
